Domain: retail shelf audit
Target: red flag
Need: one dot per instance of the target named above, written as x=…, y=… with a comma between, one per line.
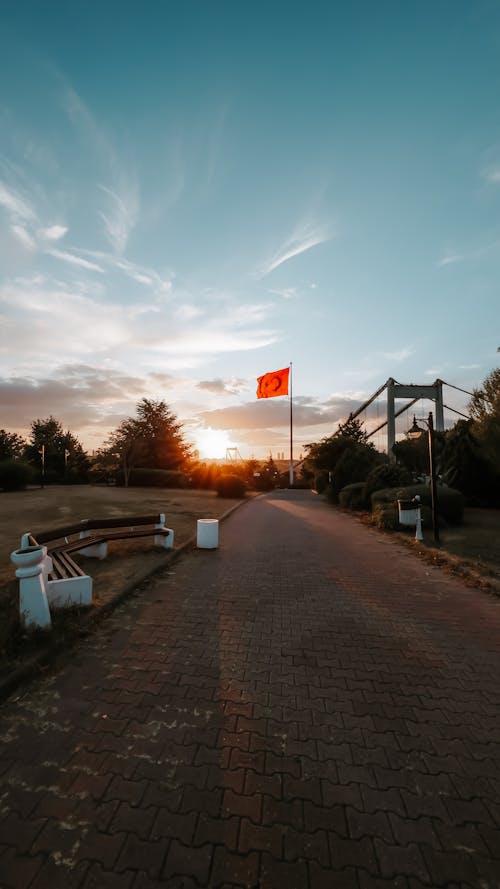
x=272, y=384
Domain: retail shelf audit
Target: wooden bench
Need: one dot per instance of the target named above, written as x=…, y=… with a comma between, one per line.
x=90, y=537
x=49, y=576
x=67, y=583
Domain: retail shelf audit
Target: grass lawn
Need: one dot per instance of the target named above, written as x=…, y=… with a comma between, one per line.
x=471, y=550
x=477, y=540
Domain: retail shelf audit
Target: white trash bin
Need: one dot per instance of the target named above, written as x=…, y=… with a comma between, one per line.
x=207, y=534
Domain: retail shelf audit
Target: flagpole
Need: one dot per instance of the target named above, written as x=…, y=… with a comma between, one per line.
x=291, y=430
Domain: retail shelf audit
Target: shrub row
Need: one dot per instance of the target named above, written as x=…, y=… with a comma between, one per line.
x=15, y=475
x=450, y=502
x=231, y=486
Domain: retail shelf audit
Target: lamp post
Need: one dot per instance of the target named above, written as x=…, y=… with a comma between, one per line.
x=415, y=432
x=432, y=466
x=42, y=475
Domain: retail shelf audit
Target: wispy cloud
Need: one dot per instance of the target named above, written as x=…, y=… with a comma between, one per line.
x=285, y=292
x=305, y=236
x=16, y=204
x=72, y=259
x=449, y=258
x=121, y=216
x=53, y=232
x=492, y=174
x=399, y=355
x=141, y=274
x=24, y=237
x=121, y=213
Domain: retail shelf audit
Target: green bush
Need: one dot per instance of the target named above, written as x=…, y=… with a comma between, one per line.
x=158, y=478
x=15, y=475
x=352, y=496
x=204, y=475
x=387, y=475
x=386, y=516
x=450, y=501
x=231, y=486
x=353, y=466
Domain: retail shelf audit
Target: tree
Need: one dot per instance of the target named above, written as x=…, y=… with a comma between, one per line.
x=164, y=445
x=486, y=400
x=464, y=464
x=152, y=439
x=354, y=465
x=352, y=429
x=325, y=454
x=484, y=408
x=12, y=445
x=63, y=455
x=125, y=445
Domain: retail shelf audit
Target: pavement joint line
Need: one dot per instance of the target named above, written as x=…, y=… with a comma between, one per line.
x=54, y=648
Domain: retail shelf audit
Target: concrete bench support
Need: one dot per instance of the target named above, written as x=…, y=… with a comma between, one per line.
x=33, y=602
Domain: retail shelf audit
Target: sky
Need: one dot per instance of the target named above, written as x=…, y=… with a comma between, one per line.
x=194, y=194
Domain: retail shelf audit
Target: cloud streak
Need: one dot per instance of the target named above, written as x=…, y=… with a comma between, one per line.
x=304, y=238
x=449, y=258
x=16, y=204
x=121, y=216
x=72, y=259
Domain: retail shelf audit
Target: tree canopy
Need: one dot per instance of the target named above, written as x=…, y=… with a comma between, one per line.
x=12, y=445
x=325, y=454
x=63, y=455
x=153, y=439
x=484, y=408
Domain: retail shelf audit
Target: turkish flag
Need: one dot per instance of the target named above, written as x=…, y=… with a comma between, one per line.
x=272, y=384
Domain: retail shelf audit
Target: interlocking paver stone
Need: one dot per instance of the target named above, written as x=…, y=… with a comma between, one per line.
x=307, y=706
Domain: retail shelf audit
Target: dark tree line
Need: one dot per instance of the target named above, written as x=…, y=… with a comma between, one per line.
x=152, y=440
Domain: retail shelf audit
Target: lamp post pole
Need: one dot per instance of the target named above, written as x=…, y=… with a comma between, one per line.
x=42, y=474
x=432, y=463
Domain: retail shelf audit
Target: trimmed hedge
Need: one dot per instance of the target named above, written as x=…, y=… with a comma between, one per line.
x=157, y=478
x=386, y=516
x=352, y=496
x=15, y=475
x=387, y=475
x=231, y=486
x=450, y=502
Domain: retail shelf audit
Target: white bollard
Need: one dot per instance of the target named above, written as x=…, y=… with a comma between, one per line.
x=418, y=525
x=33, y=604
x=207, y=533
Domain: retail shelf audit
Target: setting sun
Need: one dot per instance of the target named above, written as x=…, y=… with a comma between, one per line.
x=212, y=443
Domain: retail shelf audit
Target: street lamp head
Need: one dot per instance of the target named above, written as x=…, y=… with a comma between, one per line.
x=415, y=430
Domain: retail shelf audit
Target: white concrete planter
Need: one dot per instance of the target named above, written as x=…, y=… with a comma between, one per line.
x=407, y=512
x=33, y=604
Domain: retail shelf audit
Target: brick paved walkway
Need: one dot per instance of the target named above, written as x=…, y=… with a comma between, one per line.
x=309, y=706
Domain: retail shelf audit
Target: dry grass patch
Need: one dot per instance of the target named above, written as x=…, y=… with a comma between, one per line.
x=39, y=509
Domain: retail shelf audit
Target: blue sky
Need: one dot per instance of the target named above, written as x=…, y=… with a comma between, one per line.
x=193, y=194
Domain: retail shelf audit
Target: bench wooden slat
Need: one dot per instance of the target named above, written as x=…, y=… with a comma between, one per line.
x=121, y=522
x=57, y=533
x=90, y=524
x=126, y=528
x=64, y=566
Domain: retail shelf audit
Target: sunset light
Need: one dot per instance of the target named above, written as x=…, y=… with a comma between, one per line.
x=221, y=195
x=212, y=443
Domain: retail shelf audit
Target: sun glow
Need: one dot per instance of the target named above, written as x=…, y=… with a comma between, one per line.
x=212, y=443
